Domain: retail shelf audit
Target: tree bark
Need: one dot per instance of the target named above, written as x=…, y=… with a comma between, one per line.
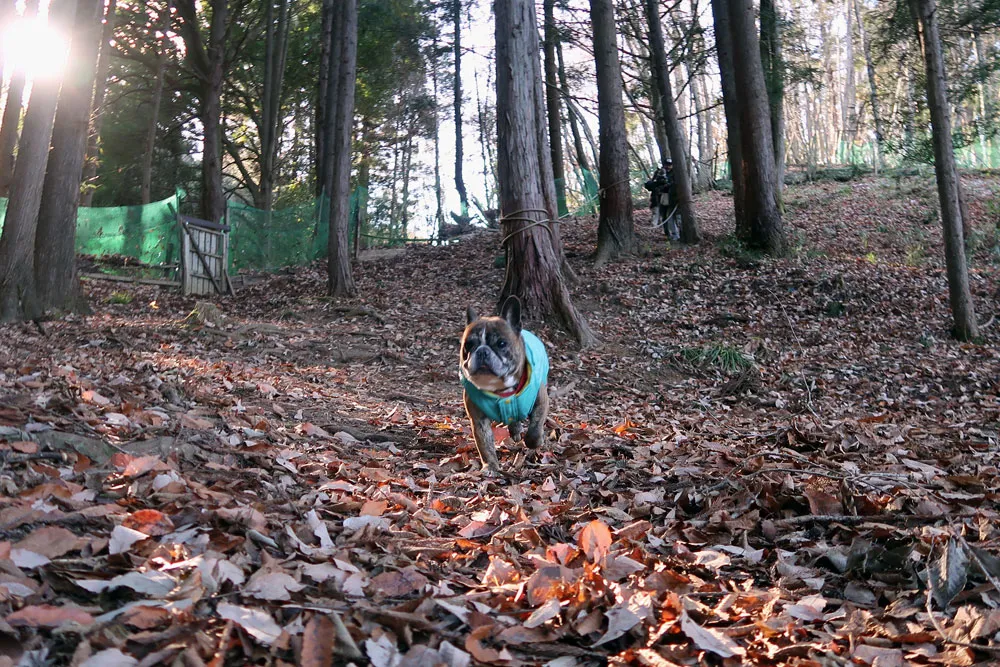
x=213, y=203
x=208, y=63
x=731, y=106
x=866, y=46
x=762, y=213
x=554, y=105
x=322, y=99
x=276, y=53
x=438, y=195
x=774, y=79
x=97, y=107
x=12, y=118
x=850, y=108
x=615, y=229
x=18, y=296
x=55, y=239
x=154, y=112
x=675, y=135
x=340, y=279
x=581, y=155
x=948, y=184
x=533, y=267
x=459, y=157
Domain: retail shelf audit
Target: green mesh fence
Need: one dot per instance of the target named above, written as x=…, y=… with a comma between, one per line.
x=146, y=233
x=260, y=239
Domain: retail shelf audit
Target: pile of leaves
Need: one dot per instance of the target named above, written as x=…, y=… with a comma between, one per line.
x=780, y=462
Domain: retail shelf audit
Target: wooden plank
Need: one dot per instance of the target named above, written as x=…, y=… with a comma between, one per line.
x=204, y=263
x=130, y=279
x=185, y=260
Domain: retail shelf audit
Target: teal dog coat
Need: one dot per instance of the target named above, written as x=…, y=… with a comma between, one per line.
x=516, y=407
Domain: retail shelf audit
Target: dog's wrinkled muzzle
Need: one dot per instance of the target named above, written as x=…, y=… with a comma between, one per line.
x=484, y=360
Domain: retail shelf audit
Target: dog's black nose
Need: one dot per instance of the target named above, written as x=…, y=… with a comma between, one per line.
x=482, y=354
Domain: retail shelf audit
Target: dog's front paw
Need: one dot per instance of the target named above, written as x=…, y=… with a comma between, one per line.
x=516, y=431
x=491, y=471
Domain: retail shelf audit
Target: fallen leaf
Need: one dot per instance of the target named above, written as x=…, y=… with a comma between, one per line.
x=123, y=538
x=595, y=540
x=149, y=522
x=397, y=584
x=708, y=639
x=111, y=657
x=272, y=586
x=947, y=576
x=625, y=616
x=318, y=642
x=546, y=612
x=256, y=622
x=48, y=616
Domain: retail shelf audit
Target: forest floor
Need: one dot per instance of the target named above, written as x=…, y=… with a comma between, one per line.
x=780, y=462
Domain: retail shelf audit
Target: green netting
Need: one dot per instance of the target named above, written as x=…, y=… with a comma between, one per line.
x=260, y=239
x=561, y=197
x=581, y=197
x=146, y=233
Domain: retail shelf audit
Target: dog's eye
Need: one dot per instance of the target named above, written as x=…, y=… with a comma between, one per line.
x=501, y=343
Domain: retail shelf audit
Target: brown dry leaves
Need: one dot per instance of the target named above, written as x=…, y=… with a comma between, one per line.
x=244, y=495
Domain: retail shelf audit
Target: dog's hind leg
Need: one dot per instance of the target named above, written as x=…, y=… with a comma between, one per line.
x=536, y=420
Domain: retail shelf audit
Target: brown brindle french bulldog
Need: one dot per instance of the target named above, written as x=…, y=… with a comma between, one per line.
x=504, y=370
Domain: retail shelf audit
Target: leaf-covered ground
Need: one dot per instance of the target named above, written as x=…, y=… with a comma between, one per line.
x=765, y=462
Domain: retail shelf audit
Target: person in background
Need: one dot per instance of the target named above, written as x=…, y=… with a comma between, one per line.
x=656, y=185
x=668, y=202
x=663, y=199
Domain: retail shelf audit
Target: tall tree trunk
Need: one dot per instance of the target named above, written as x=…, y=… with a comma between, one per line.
x=866, y=46
x=615, y=229
x=18, y=297
x=533, y=267
x=554, y=106
x=55, y=238
x=322, y=129
x=213, y=203
x=581, y=154
x=547, y=169
x=340, y=278
x=763, y=215
x=12, y=117
x=675, y=135
x=97, y=107
x=438, y=195
x=8, y=131
x=731, y=105
x=364, y=181
x=459, y=157
x=486, y=146
x=154, y=111
x=659, y=129
x=404, y=216
x=850, y=108
x=948, y=183
x=276, y=53
x=774, y=78
x=208, y=61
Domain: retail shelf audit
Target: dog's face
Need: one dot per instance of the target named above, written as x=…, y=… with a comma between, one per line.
x=492, y=354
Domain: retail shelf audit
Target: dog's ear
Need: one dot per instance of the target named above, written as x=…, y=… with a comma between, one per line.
x=470, y=315
x=511, y=311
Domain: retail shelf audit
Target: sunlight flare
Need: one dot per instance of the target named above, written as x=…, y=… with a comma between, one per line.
x=34, y=47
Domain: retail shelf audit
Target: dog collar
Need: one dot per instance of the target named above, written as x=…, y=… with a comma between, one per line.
x=510, y=408
x=520, y=384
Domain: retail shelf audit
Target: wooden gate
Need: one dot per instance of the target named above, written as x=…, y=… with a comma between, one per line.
x=204, y=256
